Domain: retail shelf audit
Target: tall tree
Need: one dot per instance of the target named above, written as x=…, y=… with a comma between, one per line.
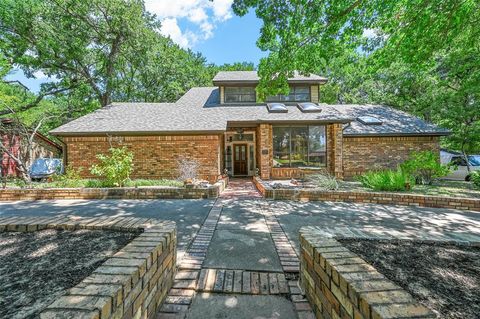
x=78, y=42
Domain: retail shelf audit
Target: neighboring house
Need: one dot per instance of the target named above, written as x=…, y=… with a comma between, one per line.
x=226, y=128
x=11, y=138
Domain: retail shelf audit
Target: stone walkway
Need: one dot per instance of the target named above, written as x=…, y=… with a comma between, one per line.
x=240, y=265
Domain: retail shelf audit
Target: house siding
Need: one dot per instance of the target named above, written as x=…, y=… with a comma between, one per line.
x=361, y=154
x=154, y=156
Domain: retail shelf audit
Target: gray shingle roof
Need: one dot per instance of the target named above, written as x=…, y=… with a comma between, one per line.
x=252, y=76
x=199, y=111
x=394, y=122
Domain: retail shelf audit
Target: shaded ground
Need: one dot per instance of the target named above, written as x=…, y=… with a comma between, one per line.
x=188, y=214
x=36, y=268
x=444, y=278
x=415, y=220
x=219, y=306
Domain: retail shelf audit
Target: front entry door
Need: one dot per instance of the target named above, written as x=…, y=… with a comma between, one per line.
x=240, y=163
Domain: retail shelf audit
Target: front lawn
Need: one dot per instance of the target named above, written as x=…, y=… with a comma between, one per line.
x=438, y=188
x=95, y=183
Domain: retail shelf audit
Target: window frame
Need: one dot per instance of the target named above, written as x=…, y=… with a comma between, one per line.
x=320, y=165
x=225, y=88
x=293, y=88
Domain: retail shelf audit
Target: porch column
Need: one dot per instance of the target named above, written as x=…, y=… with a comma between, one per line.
x=264, y=150
x=335, y=149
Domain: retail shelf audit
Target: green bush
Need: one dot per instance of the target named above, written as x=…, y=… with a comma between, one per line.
x=114, y=169
x=153, y=182
x=425, y=167
x=72, y=178
x=323, y=181
x=475, y=178
x=387, y=180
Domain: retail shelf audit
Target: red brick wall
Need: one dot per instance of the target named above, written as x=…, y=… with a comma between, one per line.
x=367, y=153
x=154, y=156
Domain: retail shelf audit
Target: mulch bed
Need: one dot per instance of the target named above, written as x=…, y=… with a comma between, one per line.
x=444, y=278
x=38, y=267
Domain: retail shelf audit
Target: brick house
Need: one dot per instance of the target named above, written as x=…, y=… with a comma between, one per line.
x=11, y=136
x=226, y=128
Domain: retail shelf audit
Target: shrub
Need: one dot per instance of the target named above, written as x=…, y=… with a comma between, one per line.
x=387, y=180
x=187, y=169
x=475, y=178
x=323, y=181
x=153, y=182
x=114, y=169
x=425, y=167
x=71, y=178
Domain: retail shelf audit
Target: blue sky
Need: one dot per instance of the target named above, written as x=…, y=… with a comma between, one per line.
x=209, y=27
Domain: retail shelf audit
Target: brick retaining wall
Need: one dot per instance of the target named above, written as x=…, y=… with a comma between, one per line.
x=385, y=198
x=114, y=193
x=133, y=283
x=339, y=284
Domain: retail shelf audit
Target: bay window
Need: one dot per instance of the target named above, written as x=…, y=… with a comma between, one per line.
x=299, y=146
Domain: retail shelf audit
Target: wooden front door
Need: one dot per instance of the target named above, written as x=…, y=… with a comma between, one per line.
x=240, y=159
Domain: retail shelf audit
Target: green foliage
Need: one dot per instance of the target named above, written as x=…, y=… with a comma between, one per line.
x=153, y=182
x=71, y=178
x=114, y=169
x=424, y=167
x=475, y=178
x=418, y=56
x=323, y=181
x=387, y=180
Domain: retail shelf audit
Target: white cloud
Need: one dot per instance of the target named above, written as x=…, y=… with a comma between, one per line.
x=204, y=15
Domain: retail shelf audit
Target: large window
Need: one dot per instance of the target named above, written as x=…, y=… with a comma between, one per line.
x=297, y=94
x=239, y=94
x=299, y=146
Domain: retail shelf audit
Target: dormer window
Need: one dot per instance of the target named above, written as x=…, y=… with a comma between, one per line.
x=240, y=94
x=297, y=94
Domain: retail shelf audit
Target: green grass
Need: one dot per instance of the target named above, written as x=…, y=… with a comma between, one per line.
x=95, y=183
x=386, y=180
x=439, y=188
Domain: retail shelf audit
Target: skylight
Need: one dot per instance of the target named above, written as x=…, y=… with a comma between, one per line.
x=309, y=107
x=277, y=108
x=369, y=120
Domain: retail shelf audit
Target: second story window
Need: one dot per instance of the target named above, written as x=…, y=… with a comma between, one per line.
x=297, y=94
x=239, y=94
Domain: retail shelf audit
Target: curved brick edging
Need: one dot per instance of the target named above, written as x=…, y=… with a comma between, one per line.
x=368, y=197
x=134, y=282
x=339, y=284
x=114, y=193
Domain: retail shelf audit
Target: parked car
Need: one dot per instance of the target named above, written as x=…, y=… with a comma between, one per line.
x=43, y=168
x=459, y=169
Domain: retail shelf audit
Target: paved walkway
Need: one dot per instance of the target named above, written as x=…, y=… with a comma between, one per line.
x=237, y=256
x=240, y=265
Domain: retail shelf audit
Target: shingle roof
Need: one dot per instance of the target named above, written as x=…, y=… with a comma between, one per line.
x=394, y=122
x=252, y=76
x=199, y=111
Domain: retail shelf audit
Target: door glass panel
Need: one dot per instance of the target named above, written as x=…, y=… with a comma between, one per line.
x=237, y=153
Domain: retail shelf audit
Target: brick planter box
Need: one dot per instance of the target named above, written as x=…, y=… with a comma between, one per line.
x=339, y=284
x=368, y=197
x=114, y=193
x=133, y=283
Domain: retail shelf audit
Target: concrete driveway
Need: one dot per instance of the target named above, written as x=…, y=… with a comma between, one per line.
x=188, y=214
x=367, y=217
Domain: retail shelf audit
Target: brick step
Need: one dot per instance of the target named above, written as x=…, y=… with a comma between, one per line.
x=242, y=282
